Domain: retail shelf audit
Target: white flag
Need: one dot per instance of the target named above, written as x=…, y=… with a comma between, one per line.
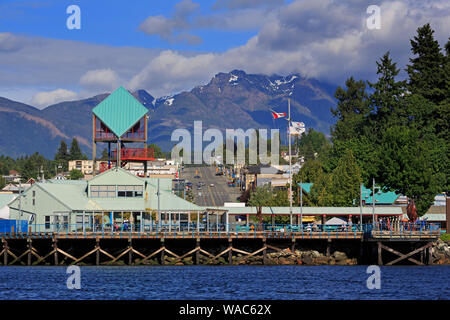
x=297, y=128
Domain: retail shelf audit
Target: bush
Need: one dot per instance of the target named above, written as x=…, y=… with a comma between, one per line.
x=445, y=237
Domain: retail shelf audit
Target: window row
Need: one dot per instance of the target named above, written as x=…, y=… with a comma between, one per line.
x=112, y=191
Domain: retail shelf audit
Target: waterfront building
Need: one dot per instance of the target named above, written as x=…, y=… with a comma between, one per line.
x=113, y=196
x=5, y=198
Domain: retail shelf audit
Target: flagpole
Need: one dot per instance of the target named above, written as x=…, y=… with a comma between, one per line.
x=290, y=162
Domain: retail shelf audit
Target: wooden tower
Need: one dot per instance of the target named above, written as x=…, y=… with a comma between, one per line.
x=118, y=120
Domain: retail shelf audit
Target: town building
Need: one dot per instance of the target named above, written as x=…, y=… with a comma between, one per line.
x=108, y=198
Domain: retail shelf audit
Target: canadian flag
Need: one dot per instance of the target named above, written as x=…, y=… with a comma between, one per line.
x=278, y=115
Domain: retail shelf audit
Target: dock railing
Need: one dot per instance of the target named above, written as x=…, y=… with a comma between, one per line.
x=405, y=230
x=221, y=230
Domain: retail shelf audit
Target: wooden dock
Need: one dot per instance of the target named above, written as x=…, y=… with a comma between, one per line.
x=132, y=247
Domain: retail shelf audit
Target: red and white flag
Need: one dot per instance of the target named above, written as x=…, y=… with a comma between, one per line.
x=277, y=115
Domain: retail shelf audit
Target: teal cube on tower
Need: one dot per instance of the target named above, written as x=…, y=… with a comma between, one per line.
x=117, y=120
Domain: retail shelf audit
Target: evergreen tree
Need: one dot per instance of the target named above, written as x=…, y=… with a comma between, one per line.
x=352, y=110
x=75, y=174
x=411, y=165
x=2, y=182
x=426, y=72
x=345, y=181
x=321, y=191
x=75, y=151
x=62, y=154
x=105, y=155
x=387, y=97
x=157, y=150
x=309, y=172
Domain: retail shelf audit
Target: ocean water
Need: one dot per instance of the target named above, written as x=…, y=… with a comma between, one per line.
x=225, y=282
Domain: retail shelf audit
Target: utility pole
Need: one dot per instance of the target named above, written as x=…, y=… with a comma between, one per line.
x=159, y=211
x=360, y=206
x=373, y=202
x=290, y=161
x=301, y=204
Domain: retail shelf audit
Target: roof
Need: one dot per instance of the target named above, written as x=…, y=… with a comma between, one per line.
x=334, y=221
x=306, y=186
x=120, y=111
x=385, y=197
x=6, y=198
x=336, y=211
x=116, y=176
x=381, y=197
x=73, y=194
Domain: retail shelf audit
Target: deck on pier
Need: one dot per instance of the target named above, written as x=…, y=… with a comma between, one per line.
x=189, y=235
x=404, y=235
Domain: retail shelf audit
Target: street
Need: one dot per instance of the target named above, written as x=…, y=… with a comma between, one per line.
x=210, y=196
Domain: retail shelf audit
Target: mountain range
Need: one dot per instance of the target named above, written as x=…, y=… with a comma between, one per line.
x=229, y=101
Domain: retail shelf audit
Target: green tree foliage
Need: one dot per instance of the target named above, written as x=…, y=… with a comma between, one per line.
x=104, y=154
x=345, y=181
x=398, y=133
x=426, y=71
x=75, y=151
x=351, y=111
x=157, y=150
x=312, y=143
x=62, y=153
x=75, y=174
x=2, y=182
x=387, y=97
x=321, y=191
x=410, y=165
x=309, y=172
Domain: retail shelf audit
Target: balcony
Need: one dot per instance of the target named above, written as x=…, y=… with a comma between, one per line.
x=138, y=154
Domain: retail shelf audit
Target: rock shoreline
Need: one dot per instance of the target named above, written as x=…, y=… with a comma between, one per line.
x=283, y=257
x=440, y=256
x=441, y=252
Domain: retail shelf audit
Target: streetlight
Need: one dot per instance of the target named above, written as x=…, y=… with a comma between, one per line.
x=373, y=200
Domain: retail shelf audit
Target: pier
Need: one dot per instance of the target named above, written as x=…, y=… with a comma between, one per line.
x=369, y=244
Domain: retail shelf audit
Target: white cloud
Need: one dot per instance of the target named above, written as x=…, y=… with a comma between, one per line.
x=324, y=39
x=240, y=4
x=47, y=98
x=100, y=79
x=173, y=29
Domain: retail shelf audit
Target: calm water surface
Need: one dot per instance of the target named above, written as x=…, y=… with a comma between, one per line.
x=225, y=282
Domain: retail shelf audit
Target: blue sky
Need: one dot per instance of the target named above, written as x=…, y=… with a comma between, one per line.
x=169, y=46
x=113, y=23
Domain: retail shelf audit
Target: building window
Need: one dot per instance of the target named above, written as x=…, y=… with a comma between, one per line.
x=47, y=222
x=103, y=191
x=129, y=191
x=34, y=202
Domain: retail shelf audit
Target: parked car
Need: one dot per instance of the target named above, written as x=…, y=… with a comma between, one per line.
x=211, y=185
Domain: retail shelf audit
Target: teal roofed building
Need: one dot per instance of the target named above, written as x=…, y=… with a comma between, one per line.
x=118, y=120
x=108, y=199
x=381, y=197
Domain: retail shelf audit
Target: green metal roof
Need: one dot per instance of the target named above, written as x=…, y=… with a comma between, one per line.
x=6, y=198
x=387, y=197
x=306, y=186
x=379, y=210
x=381, y=197
x=73, y=194
x=120, y=111
x=116, y=176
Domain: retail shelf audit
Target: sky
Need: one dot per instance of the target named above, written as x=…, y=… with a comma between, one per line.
x=166, y=47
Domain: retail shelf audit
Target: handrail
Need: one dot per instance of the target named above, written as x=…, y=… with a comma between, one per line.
x=250, y=229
